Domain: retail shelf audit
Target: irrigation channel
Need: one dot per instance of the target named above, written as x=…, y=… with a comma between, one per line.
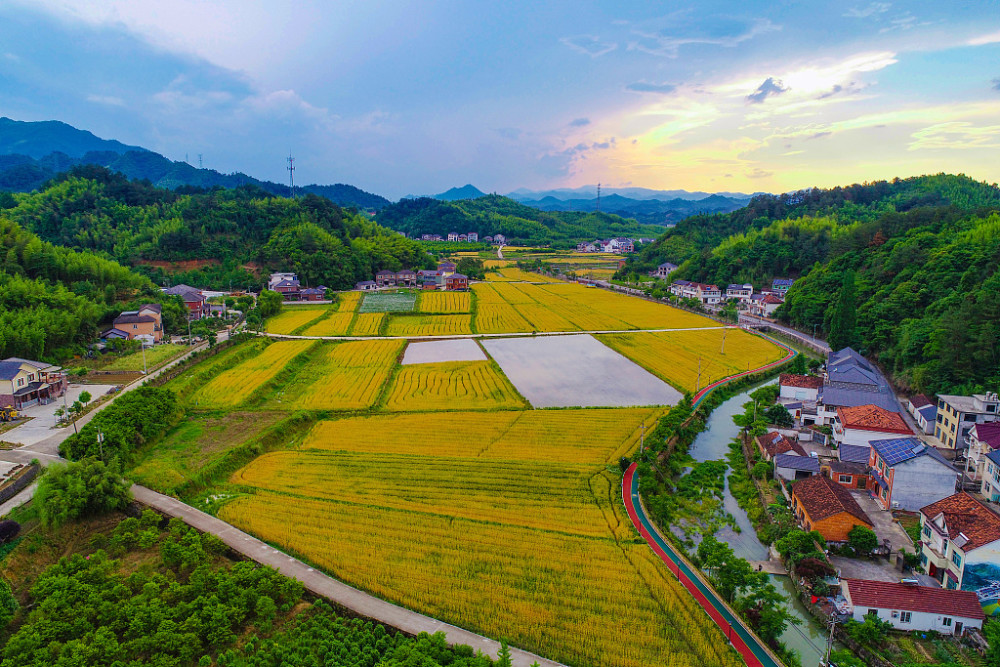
x=808, y=639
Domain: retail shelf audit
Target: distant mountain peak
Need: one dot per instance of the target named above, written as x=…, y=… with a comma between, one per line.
x=42, y=138
x=467, y=191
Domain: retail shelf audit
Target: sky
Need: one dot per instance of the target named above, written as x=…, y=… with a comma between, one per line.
x=414, y=98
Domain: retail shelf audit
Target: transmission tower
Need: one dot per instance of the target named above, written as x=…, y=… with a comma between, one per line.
x=291, y=173
x=598, y=197
x=199, y=161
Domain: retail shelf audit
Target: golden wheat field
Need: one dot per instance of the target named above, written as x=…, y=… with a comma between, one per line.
x=347, y=302
x=234, y=386
x=368, y=324
x=638, y=313
x=514, y=273
x=445, y=302
x=500, y=318
x=674, y=355
x=455, y=385
x=294, y=317
x=537, y=550
x=334, y=324
x=345, y=376
x=428, y=325
x=495, y=277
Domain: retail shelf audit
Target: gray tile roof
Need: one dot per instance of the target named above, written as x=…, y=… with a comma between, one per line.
x=854, y=453
x=849, y=398
x=793, y=462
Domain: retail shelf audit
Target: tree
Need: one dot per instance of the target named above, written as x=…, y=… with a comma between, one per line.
x=269, y=303
x=862, y=541
x=8, y=530
x=991, y=630
x=779, y=416
x=75, y=490
x=503, y=655
x=799, y=544
x=844, y=320
x=8, y=603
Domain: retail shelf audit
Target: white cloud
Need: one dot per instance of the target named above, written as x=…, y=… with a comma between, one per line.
x=982, y=40
x=591, y=45
x=667, y=41
x=956, y=135
x=871, y=10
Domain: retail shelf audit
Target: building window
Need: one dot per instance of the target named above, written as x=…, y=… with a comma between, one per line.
x=946, y=621
x=904, y=617
x=923, y=558
x=956, y=559
x=845, y=479
x=872, y=612
x=927, y=530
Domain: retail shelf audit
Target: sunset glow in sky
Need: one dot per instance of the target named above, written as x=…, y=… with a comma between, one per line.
x=401, y=98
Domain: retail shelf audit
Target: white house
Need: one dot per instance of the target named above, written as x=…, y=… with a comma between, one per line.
x=991, y=476
x=473, y=237
x=277, y=278
x=913, y=607
x=664, y=270
x=799, y=387
x=764, y=305
x=741, y=293
x=908, y=474
x=452, y=236
x=864, y=423
x=960, y=545
x=983, y=439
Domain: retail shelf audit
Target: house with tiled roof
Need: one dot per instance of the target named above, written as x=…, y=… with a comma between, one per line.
x=773, y=443
x=960, y=545
x=764, y=305
x=793, y=467
x=983, y=439
x=851, y=381
x=194, y=300
x=821, y=504
x=664, y=270
x=781, y=286
x=908, y=474
x=848, y=474
x=24, y=382
x=913, y=607
x=799, y=387
x=739, y=293
x=990, y=477
x=958, y=414
x=864, y=423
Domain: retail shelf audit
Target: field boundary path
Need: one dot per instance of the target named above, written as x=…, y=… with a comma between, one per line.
x=596, y=332
x=325, y=586
x=754, y=652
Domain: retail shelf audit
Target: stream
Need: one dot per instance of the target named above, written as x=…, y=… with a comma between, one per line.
x=808, y=639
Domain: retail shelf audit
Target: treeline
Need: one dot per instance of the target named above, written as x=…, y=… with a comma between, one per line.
x=53, y=301
x=520, y=224
x=223, y=236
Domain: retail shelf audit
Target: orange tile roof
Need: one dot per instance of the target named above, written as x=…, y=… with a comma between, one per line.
x=872, y=418
x=891, y=595
x=963, y=514
x=821, y=497
x=802, y=381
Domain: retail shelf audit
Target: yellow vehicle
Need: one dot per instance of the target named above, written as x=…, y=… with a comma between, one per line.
x=8, y=414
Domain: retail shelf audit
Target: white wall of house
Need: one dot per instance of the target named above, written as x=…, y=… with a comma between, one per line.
x=921, y=481
x=917, y=620
x=860, y=437
x=799, y=393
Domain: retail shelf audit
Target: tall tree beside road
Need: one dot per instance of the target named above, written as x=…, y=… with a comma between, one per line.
x=844, y=318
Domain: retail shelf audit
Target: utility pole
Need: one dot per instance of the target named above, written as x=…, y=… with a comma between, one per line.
x=698, y=387
x=598, y=197
x=199, y=161
x=100, y=442
x=829, y=642
x=724, y=331
x=642, y=437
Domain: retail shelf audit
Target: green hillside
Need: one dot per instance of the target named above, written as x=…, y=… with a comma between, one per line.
x=495, y=214
x=923, y=252
x=211, y=239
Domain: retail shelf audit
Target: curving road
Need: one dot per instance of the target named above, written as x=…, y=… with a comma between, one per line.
x=754, y=652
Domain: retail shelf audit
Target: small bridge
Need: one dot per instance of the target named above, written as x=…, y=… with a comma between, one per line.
x=769, y=566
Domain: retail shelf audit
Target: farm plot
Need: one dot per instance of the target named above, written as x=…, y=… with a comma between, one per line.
x=514, y=273
x=294, y=317
x=428, y=352
x=445, y=302
x=576, y=371
x=428, y=325
x=675, y=355
x=347, y=302
x=156, y=355
x=536, y=551
x=238, y=384
x=388, y=302
x=334, y=324
x=345, y=376
x=500, y=318
x=637, y=313
x=459, y=385
x=368, y=324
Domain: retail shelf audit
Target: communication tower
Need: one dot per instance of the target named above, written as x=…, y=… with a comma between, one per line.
x=291, y=173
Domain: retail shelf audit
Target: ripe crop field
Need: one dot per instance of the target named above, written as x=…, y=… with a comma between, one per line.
x=334, y=324
x=368, y=324
x=445, y=302
x=497, y=263
x=232, y=387
x=477, y=519
x=429, y=325
x=344, y=376
x=638, y=313
x=293, y=317
x=468, y=385
x=674, y=355
x=388, y=302
x=347, y=302
x=495, y=277
x=500, y=318
x=514, y=273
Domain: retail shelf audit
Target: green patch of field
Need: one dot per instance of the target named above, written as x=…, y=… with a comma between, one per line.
x=196, y=443
x=155, y=357
x=388, y=302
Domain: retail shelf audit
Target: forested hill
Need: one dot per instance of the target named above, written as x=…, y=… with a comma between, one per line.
x=905, y=270
x=53, y=300
x=495, y=214
x=220, y=238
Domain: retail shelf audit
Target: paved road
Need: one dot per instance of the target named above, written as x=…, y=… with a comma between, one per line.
x=320, y=584
x=816, y=343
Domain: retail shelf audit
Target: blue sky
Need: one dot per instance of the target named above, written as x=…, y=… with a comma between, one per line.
x=401, y=98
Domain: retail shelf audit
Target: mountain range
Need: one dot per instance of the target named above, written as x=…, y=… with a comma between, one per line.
x=31, y=153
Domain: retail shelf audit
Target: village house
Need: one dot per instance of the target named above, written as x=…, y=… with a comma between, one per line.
x=431, y=237
x=385, y=278
x=456, y=281
x=24, y=382
x=864, y=423
x=799, y=387
x=275, y=278
x=821, y=504
x=960, y=543
x=194, y=300
x=990, y=477
x=145, y=324
x=619, y=245
x=908, y=474
x=983, y=439
x=773, y=443
x=780, y=286
x=664, y=270
x=313, y=294
x=463, y=238
x=406, y=278
x=792, y=467
x=763, y=305
x=453, y=236
x=473, y=237
x=446, y=268
x=908, y=606
x=851, y=381
x=366, y=285
x=499, y=239
x=956, y=415
x=707, y=294
x=429, y=278
x=848, y=474
x=740, y=293
x=924, y=412
x=583, y=246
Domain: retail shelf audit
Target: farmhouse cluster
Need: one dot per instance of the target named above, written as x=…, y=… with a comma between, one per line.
x=850, y=455
x=758, y=303
x=443, y=277
x=467, y=237
x=618, y=245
